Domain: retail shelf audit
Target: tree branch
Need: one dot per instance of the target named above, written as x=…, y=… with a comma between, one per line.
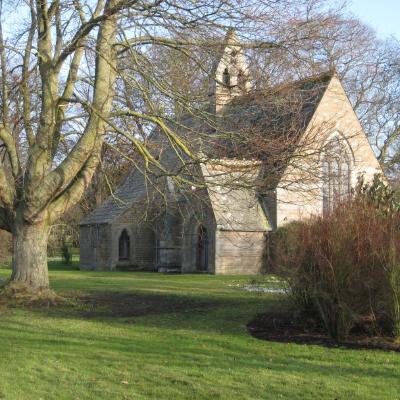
x=7, y=191
x=56, y=181
x=26, y=95
x=6, y=220
x=4, y=88
x=7, y=138
x=89, y=25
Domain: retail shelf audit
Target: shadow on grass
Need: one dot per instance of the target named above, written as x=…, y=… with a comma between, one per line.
x=228, y=315
x=117, y=304
x=286, y=325
x=199, y=313
x=56, y=264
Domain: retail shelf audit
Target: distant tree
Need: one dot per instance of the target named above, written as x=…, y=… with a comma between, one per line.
x=77, y=75
x=368, y=67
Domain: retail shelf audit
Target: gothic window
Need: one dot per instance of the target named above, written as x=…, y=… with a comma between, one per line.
x=233, y=57
x=202, y=248
x=124, y=246
x=226, y=78
x=336, y=174
x=241, y=79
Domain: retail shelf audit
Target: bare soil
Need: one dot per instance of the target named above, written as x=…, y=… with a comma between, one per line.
x=283, y=327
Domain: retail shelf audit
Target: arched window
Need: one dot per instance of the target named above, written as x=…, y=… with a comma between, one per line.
x=124, y=246
x=336, y=169
x=202, y=249
x=241, y=79
x=226, y=78
x=233, y=57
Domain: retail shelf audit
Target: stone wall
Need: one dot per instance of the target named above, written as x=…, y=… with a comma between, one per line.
x=142, y=240
x=299, y=194
x=95, y=247
x=239, y=252
x=228, y=252
x=86, y=254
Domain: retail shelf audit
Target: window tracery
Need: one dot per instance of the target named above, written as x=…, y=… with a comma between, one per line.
x=336, y=170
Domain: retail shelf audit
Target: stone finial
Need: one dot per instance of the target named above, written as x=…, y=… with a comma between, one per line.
x=230, y=74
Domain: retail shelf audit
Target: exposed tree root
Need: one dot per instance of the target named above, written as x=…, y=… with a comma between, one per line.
x=21, y=293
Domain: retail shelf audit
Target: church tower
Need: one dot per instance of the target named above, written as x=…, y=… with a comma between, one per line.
x=230, y=74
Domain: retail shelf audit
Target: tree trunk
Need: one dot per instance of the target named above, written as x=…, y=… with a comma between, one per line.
x=30, y=271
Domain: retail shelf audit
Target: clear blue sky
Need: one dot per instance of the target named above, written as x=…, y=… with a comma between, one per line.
x=382, y=15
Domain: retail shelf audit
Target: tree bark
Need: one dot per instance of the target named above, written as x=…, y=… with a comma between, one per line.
x=30, y=257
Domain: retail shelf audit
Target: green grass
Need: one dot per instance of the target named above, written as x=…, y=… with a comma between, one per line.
x=198, y=348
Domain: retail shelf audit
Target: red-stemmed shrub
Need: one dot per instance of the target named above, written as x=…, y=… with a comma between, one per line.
x=344, y=268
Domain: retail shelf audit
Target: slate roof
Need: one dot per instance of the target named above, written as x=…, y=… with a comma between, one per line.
x=233, y=199
x=282, y=107
x=285, y=110
x=282, y=112
x=131, y=190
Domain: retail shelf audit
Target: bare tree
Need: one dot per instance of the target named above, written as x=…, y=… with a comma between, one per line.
x=78, y=74
x=64, y=86
x=367, y=66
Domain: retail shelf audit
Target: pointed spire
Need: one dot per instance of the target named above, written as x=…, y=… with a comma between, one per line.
x=231, y=37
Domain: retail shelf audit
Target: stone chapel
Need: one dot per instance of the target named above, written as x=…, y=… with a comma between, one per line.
x=220, y=226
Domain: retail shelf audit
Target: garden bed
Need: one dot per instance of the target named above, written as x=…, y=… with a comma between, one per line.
x=283, y=327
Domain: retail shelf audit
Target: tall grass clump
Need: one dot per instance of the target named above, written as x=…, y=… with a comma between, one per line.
x=344, y=268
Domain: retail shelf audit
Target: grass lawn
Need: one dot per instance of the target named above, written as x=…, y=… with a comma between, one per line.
x=172, y=337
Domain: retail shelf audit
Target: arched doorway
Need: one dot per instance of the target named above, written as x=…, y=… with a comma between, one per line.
x=124, y=246
x=202, y=249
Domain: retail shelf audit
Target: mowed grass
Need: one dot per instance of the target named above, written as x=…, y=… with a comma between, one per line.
x=180, y=337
